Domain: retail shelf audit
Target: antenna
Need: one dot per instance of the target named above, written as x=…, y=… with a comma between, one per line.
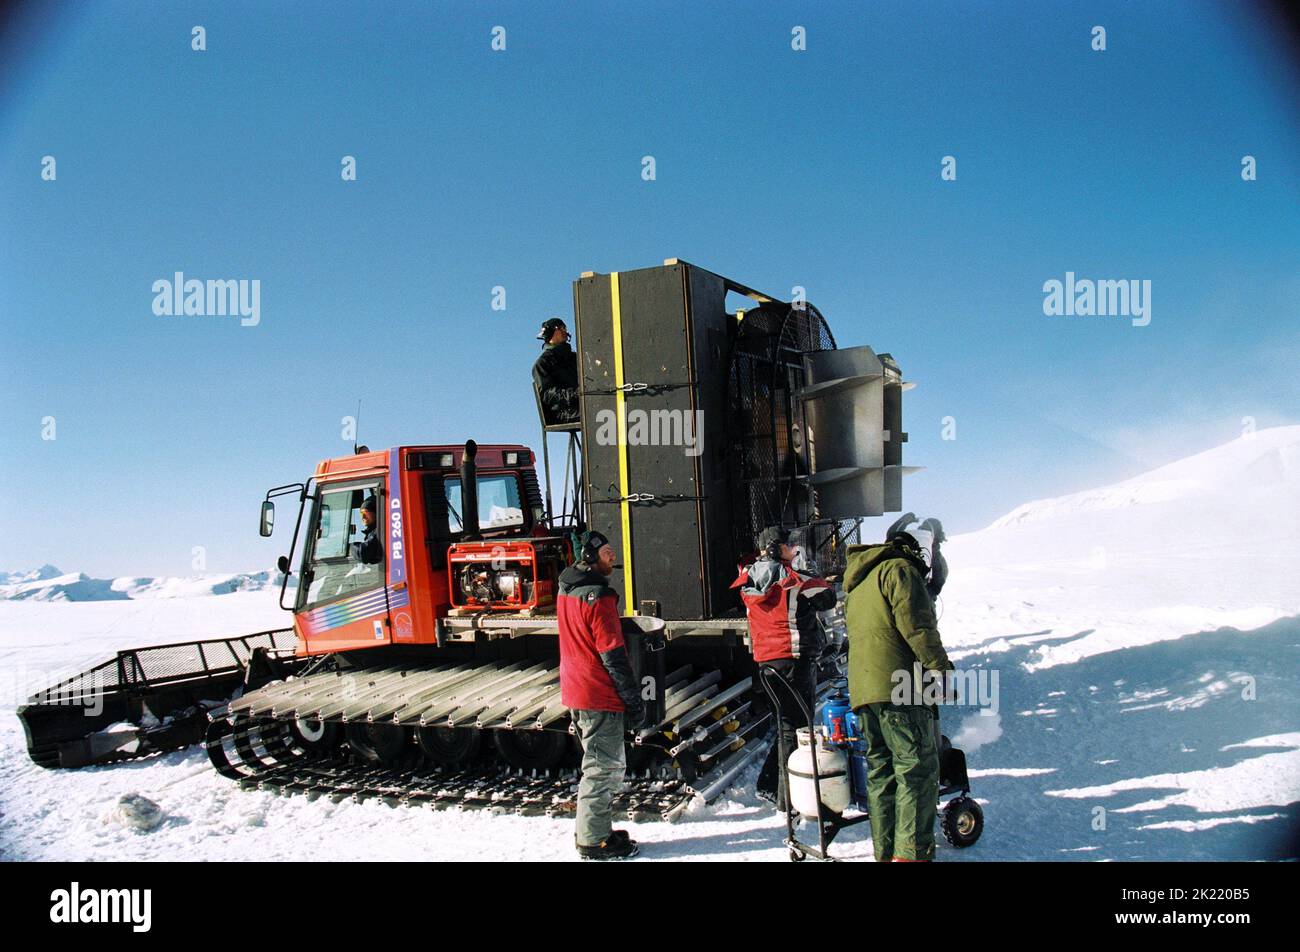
x=356, y=427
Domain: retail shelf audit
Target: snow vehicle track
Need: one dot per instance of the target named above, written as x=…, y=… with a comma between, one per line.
x=296, y=737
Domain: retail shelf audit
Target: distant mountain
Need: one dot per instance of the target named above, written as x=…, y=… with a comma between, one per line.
x=1207, y=541
x=1243, y=495
x=1264, y=463
x=48, y=584
x=36, y=575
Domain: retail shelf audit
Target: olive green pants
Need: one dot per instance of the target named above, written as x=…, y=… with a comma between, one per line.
x=902, y=779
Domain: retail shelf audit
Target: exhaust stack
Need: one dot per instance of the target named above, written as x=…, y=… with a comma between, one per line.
x=469, y=491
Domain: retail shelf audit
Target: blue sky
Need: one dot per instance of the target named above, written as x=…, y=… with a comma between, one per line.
x=522, y=169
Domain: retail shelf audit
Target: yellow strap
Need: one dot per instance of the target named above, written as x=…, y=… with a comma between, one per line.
x=620, y=400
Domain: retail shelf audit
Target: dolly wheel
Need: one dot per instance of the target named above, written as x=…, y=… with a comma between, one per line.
x=962, y=822
x=531, y=750
x=797, y=856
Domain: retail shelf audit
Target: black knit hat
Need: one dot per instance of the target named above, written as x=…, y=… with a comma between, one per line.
x=590, y=545
x=369, y=504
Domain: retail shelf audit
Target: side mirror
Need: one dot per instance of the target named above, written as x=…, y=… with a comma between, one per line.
x=282, y=563
x=268, y=518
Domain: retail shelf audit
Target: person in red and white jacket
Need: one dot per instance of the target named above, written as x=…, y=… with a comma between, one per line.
x=602, y=693
x=784, y=633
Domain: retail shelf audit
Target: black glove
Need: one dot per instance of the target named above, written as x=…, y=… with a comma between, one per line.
x=619, y=667
x=634, y=719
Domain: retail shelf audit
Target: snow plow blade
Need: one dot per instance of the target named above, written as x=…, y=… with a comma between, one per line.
x=148, y=700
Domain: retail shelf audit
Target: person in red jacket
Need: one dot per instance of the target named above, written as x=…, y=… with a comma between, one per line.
x=784, y=634
x=599, y=688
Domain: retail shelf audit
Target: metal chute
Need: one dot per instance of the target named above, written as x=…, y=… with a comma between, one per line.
x=853, y=406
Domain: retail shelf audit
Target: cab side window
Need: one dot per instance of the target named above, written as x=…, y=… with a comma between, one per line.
x=342, y=561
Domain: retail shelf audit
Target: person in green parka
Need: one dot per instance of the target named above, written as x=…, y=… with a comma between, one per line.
x=890, y=589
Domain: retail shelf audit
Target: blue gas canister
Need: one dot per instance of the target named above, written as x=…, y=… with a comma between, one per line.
x=858, y=776
x=841, y=726
x=838, y=719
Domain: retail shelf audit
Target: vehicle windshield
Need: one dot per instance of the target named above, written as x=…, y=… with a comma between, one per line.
x=499, y=506
x=346, y=556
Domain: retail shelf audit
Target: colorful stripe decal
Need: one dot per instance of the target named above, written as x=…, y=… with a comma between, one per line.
x=352, y=609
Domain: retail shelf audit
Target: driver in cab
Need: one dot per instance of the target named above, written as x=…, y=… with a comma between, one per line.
x=370, y=549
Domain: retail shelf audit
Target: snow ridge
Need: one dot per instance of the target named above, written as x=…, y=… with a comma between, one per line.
x=48, y=584
x=1262, y=460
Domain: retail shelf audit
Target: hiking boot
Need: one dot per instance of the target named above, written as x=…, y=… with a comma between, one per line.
x=613, y=848
x=620, y=836
x=615, y=837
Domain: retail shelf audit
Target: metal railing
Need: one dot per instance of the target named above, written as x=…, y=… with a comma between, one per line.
x=158, y=665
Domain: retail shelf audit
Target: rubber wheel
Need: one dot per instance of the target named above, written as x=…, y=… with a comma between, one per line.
x=531, y=750
x=449, y=746
x=962, y=822
x=378, y=743
x=315, y=736
x=797, y=856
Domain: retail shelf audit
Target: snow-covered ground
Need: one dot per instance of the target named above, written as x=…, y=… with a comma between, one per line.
x=1145, y=638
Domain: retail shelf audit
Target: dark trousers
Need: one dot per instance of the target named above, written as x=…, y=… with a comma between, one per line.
x=561, y=404
x=771, y=779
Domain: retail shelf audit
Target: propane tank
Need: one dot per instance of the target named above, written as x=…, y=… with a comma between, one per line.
x=838, y=719
x=840, y=725
x=833, y=771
